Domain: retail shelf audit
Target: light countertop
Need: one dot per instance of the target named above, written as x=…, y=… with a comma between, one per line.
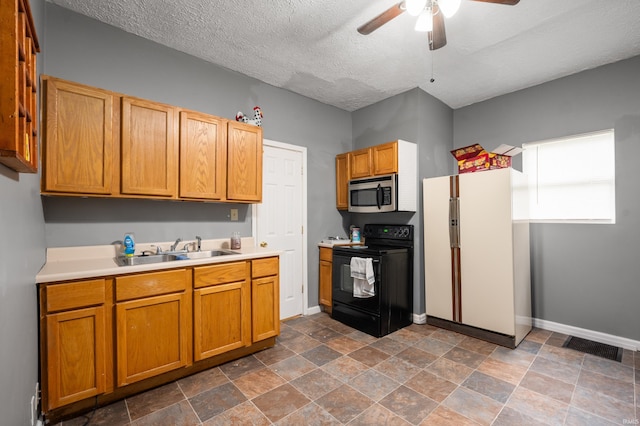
x=338, y=243
x=70, y=263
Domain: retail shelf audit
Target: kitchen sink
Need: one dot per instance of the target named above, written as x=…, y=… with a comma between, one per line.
x=145, y=259
x=203, y=254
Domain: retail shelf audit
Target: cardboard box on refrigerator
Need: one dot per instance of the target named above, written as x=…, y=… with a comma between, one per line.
x=474, y=158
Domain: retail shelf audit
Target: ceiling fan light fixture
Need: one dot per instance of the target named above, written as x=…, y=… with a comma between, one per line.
x=449, y=7
x=424, y=22
x=415, y=7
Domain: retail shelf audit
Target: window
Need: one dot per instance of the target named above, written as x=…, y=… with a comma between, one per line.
x=572, y=179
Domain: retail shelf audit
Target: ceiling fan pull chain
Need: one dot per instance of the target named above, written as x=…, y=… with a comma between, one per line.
x=432, y=80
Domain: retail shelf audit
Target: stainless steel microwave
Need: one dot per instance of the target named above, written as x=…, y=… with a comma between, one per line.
x=374, y=194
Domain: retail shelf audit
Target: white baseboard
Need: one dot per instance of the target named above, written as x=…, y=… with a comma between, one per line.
x=419, y=318
x=596, y=336
x=313, y=310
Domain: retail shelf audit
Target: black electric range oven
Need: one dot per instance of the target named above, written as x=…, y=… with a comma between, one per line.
x=390, y=248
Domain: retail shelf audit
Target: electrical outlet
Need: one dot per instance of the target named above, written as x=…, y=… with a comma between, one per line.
x=234, y=214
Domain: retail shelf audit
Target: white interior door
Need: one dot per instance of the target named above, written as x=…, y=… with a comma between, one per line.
x=280, y=219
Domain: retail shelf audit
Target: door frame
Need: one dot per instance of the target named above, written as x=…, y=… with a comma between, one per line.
x=254, y=218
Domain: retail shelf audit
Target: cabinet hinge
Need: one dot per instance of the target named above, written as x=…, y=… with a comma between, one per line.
x=302, y=229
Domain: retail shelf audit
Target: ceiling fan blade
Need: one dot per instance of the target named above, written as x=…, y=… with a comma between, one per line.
x=505, y=2
x=381, y=19
x=437, y=37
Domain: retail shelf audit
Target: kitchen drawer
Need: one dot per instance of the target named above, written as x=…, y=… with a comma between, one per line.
x=152, y=284
x=220, y=274
x=326, y=254
x=264, y=267
x=64, y=297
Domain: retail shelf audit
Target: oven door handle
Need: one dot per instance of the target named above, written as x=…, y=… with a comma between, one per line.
x=379, y=196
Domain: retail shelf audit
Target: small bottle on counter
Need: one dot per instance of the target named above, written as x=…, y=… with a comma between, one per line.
x=355, y=235
x=129, y=244
x=235, y=241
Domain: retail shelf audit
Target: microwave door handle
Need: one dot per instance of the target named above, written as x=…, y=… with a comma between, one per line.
x=379, y=196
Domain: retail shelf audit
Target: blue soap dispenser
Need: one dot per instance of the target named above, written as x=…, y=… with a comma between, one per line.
x=129, y=244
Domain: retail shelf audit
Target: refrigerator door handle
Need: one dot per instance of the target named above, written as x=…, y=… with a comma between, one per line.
x=454, y=222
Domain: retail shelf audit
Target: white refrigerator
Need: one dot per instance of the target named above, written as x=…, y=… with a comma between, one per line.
x=476, y=254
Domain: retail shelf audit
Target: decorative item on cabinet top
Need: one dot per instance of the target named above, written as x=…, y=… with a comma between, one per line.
x=256, y=120
x=197, y=156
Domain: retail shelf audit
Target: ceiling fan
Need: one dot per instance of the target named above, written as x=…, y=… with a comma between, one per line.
x=430, y=13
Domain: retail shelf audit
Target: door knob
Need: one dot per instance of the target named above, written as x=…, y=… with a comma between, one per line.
x=263, y=244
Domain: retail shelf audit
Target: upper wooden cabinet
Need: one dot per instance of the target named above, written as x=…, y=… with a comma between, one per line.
x=18, y=85
x=392, y=157
x=385, y=158
x=100, y=143
x=342, y=181
x=78, y=155
x=374, y=160
x=203, y=156
x=244, y=162
x=360, y=163
x=149, y=148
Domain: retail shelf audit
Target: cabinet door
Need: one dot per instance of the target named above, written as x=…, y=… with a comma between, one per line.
x=244, y=162
x=361, y=163
x=152, y=336
x=78, y=148
x=203, y=156
x=265, y=312
x=325, y=277
x=149, y=148
x=76, y=355
x=18, y=84
x=385, y=158
x=486, y=251
x=221, y=319
x=342, y=181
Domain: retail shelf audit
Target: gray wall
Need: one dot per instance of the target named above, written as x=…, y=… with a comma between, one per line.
x=89, y=52
x=418, y=117
x=21, y=256
x=585, y=276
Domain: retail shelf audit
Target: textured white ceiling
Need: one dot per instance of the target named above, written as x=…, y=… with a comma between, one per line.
x=312, y=47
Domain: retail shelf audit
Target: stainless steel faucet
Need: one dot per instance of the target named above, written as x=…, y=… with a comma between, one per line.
x=175, y=245
x=199, y=243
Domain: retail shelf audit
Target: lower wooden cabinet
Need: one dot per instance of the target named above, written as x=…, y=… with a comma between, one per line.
x=326, y=270
x=265, y=298
x=77, y=341
x=153, y=331
x=112, y=337
x=221, y=309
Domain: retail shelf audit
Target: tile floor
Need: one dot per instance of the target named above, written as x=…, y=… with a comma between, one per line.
x=322, y=372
